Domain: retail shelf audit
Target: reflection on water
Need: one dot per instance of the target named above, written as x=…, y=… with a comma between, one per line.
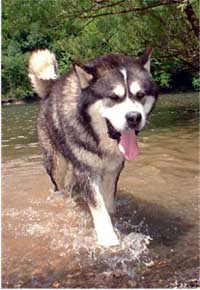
x=19, y=137
x=49, y=241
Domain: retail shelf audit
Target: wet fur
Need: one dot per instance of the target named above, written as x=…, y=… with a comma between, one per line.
x=69, y=143
x=74, y=138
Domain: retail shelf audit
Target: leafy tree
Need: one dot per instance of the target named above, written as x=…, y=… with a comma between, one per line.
x=81, y=30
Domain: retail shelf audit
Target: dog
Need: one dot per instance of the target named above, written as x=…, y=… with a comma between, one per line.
x=88, y=122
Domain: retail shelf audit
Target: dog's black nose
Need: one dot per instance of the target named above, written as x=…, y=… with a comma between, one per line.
x=133, y=119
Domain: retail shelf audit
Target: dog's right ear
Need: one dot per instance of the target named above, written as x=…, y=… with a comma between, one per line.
x=145, y=59
x=84, y=74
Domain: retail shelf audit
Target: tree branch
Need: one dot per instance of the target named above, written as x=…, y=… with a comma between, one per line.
x=194, y=22
x=135, y=9
x=109, y=5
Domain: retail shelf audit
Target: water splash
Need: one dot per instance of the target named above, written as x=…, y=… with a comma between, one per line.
x=69, y=233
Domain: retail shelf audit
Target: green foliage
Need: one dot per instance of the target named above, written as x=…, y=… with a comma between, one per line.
x=162, y=78
x=72, y=29
x=14, y=73
x=196, y=82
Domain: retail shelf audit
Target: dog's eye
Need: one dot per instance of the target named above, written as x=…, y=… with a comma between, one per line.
x=114, y=97
x=140, y=95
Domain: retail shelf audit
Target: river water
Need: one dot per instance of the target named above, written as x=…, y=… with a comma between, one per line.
x=48, y=240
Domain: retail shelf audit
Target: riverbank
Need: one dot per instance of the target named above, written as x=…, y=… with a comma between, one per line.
x=7, y=102
x=12, y=101
x=35, y=98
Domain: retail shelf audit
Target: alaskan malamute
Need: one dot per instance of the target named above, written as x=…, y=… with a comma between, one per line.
x=88, y=122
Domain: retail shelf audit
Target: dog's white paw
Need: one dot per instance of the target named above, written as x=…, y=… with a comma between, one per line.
x=108, y=240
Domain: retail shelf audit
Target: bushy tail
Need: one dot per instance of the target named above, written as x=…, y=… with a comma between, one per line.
x=42, y=69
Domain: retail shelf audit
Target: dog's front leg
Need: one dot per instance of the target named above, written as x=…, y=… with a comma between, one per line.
x=106, y=235
x=92, y=191
x=110, y=180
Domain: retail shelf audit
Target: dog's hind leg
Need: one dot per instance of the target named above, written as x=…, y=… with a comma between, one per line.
x=60, y=171
x=57, y=167
x=51, y=162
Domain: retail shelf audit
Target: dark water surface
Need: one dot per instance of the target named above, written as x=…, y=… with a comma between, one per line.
x=49, y=241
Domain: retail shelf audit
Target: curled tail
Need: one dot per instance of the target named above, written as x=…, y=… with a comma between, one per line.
x=42, y=70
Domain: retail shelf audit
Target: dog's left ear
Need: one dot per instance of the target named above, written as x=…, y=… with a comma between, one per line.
x=145, y=59
x=84, y=74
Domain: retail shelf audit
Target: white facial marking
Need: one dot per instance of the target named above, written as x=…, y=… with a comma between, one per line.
x=124, y=72
x=149, y=101
x=117, y=113
x=102, y=222
x=135, y=87
x=119, y=90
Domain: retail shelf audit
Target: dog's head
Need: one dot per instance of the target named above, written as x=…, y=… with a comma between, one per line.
x=124, y=87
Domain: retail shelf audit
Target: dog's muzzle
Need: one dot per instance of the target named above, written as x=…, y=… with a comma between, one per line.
x=133, y=119
x=113, y=133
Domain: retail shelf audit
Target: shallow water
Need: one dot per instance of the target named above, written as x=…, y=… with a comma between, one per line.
x=49, y=241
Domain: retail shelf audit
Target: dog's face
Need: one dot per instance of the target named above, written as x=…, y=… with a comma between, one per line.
x=125, y=88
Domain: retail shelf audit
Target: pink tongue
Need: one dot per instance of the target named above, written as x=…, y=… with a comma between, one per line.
x=128, y=144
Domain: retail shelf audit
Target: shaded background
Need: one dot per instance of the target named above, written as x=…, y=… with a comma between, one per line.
x=81, y=30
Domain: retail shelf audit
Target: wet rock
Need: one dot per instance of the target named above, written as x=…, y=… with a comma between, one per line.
x=129, y=284
x=56, y=284
x=117, y=274
x=132, y=283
